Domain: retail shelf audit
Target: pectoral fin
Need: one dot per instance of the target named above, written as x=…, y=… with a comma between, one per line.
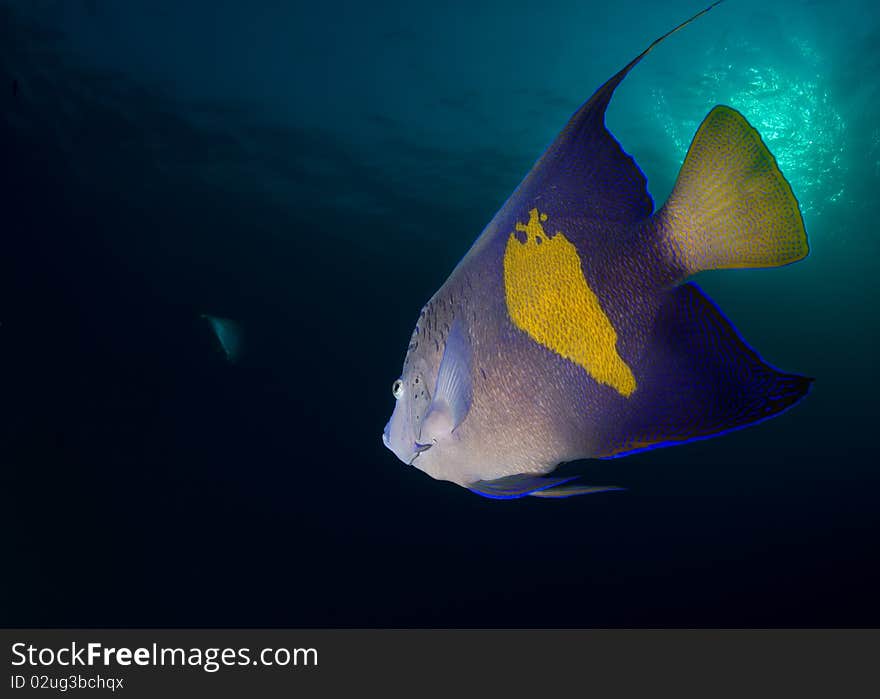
x=512, y=487
x=453, y=391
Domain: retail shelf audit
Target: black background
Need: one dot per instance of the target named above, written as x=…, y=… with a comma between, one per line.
x=147, y=482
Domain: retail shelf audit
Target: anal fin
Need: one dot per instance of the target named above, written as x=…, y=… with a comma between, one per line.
x=698, y=378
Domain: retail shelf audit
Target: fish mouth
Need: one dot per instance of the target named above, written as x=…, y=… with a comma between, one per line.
x=420, y=449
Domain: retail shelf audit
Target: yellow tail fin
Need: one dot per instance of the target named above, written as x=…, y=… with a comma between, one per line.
x=731, y=206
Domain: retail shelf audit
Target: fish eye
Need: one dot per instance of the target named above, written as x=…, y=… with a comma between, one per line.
x=397, y=389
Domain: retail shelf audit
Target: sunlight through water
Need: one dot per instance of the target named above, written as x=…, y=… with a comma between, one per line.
x=789, y=104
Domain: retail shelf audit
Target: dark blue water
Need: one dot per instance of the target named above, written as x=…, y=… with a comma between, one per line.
x=314, y=172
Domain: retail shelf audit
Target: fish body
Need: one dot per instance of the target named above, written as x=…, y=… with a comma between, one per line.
x=569, y=330
x=228, y=334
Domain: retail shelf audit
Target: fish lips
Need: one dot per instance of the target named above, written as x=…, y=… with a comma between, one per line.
x=420, y=449
x=417, y=448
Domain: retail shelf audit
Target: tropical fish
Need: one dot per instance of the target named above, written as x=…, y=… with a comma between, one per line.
x=569, y=330
x=228, y=334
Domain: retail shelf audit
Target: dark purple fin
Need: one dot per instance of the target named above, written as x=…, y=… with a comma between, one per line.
x=697, y=378
x=585, y=171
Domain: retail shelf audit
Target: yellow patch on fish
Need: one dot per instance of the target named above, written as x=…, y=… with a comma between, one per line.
x=549, y=299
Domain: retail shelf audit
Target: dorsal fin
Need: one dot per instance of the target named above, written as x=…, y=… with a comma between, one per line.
x=585, y=170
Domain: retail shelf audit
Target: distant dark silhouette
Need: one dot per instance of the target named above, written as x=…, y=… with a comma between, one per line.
x=15, y=88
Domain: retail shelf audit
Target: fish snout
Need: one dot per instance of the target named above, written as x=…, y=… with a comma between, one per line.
x=403, y=446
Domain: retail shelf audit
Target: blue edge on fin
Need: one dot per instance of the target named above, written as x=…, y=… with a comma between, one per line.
x=670, y=443
x=543, y=484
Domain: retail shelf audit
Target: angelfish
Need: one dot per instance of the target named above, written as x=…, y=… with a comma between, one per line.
x=569, y=329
